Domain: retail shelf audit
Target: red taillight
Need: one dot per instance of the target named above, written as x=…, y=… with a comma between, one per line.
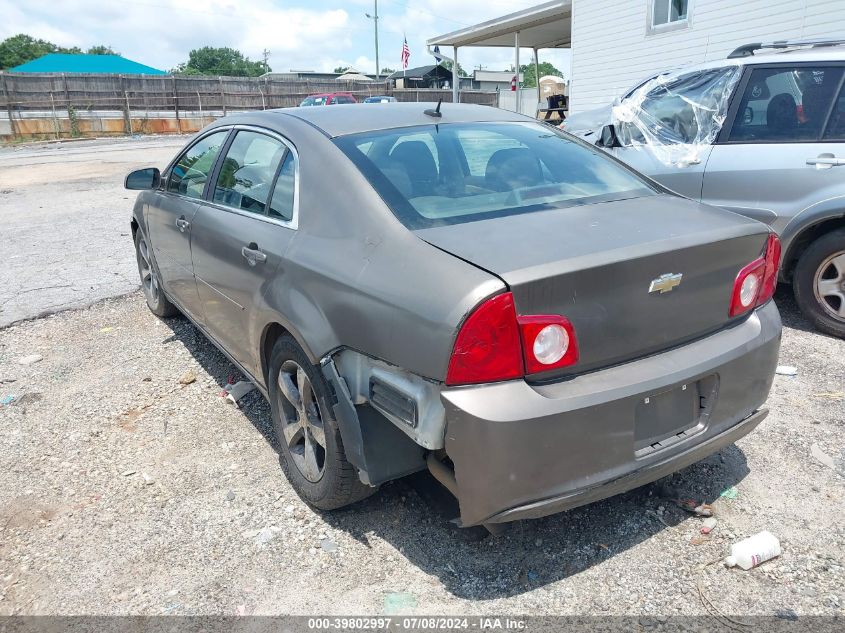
x=548, y=342
x=494, y=344
x=755, y=284
x=770, y=278
x=487, y=348
x=747, y=287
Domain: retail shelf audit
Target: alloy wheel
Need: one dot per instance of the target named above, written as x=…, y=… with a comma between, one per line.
x=302, y=422
x=829, y=285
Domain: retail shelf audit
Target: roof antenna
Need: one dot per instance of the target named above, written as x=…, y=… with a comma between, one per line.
x=436, y=112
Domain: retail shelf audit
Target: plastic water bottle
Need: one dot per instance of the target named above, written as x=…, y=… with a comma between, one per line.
x=753, y=551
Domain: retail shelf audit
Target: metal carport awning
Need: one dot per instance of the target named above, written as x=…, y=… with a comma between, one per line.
x=547, y=25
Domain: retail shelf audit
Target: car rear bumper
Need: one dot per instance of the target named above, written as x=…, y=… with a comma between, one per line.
x=526, y=451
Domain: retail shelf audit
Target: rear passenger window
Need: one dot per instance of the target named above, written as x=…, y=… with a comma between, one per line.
x=190, y=173
x=836, y=123
x=786, y=104
x=281, y=205
x=247, y=172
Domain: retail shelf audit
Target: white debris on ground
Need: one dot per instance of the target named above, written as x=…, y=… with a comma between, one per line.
x=235, y=392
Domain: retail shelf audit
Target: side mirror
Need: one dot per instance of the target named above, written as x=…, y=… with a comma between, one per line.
x=608, y=137
x=148, y=178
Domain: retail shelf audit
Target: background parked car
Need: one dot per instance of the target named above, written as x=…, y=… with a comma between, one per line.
x=328, y=98
x=380, y=99
x=761, y=134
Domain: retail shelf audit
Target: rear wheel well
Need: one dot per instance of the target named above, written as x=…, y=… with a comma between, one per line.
x=272, y=333
x=804, y=239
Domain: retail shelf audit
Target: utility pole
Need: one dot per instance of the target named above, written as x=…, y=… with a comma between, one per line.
x=374, y=18
x=266, y=55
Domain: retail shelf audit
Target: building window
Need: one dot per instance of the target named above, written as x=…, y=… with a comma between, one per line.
x=668, y=15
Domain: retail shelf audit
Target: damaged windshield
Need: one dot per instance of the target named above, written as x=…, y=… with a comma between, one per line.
x=443, y=174
x=676, y=117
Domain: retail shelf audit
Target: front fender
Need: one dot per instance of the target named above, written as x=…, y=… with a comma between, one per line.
x=139, y=212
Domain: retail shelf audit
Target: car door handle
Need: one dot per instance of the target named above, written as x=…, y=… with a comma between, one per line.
x=182, y=224
x=825, y=162
x=253, y=255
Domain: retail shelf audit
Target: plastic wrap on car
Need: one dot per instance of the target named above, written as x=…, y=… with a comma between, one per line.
x=677, y=128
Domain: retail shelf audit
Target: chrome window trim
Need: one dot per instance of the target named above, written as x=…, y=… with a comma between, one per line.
x=293, y=223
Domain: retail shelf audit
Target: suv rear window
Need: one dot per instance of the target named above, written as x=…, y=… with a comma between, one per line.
x=444, y=174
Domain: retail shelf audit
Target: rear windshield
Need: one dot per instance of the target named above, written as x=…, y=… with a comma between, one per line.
x=444, y=174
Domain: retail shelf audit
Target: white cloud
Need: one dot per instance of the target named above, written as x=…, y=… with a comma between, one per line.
x=313, y=35
x=160, y=33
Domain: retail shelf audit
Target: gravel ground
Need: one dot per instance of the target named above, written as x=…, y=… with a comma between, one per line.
x=65, y=238
x=123, y=491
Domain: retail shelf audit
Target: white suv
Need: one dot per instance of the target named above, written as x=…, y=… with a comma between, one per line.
x=761, y=133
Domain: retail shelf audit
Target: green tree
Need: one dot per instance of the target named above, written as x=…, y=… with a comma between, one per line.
x=21, y=48
x=387, y=71
x=341, y=69
x=529, y=79
x=220, y=61
x=461, y=72
x=101, y=49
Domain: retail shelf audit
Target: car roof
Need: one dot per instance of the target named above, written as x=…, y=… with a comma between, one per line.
x=346, y=119
x=802, y=54
x=767, y=56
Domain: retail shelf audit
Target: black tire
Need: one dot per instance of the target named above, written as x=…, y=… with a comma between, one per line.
x=157, y=302
x=813, y=269
x=337, y=483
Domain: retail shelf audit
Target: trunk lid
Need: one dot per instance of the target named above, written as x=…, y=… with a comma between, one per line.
x=595, y=264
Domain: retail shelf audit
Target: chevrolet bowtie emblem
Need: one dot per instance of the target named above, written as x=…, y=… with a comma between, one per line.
x=665, y=283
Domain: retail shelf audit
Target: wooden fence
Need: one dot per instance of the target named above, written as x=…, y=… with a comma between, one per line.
x=54, y=105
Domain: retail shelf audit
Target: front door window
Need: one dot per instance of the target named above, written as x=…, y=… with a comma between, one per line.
x=676, y=117
x=786, y=105
x=190, y=173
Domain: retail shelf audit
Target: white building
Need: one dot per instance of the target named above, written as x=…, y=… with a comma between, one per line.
x=613, y=50
x=616, y=43
x=492, y=80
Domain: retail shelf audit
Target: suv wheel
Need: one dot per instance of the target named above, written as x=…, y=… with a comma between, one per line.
x=819, y=283
x=150, y=283
x=310, y=447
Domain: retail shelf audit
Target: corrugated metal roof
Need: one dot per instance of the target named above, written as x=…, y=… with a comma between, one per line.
x=64, y=63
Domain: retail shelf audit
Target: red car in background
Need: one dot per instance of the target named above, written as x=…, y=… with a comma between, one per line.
x=328, y=98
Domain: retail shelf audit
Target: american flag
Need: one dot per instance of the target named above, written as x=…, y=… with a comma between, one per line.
x=406, y=54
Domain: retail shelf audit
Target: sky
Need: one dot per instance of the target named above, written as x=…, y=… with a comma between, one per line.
x=316, y=35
